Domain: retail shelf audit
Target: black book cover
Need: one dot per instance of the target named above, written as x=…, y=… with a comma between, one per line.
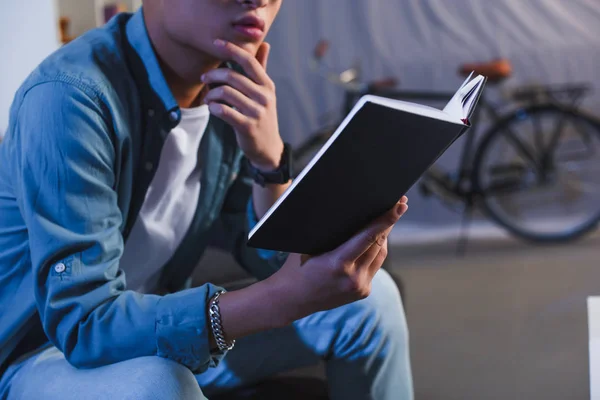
x=371, y=164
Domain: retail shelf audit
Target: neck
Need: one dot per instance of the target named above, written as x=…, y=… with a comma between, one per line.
x=182, y=67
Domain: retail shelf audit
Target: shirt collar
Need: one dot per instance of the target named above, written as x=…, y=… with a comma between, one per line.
x=146, y=69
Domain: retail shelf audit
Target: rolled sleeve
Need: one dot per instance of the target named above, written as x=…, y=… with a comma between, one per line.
x=65, y=179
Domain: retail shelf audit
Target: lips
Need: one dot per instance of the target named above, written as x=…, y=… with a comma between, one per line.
x=251, y=21
x=250, y=26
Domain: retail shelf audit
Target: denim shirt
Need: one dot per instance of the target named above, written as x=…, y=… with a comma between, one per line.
x=84, y=139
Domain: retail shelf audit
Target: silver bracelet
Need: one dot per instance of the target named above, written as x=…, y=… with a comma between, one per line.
x=214, y=314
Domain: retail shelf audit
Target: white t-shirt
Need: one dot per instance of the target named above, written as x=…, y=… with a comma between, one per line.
x=169, y=206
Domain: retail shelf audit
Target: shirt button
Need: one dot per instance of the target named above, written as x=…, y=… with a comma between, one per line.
x=149, y=166
x=60, y=268
x=173, y=116
x=151, y=113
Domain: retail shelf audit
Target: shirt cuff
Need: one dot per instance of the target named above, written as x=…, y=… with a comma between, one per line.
x=182, y=329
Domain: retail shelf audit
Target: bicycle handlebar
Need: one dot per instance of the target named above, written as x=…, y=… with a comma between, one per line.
x=349, y=79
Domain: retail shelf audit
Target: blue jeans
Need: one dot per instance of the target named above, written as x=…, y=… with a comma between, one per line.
x=364, y=346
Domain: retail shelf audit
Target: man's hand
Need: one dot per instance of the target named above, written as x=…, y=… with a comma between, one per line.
x=251, y=107
x=307, y=285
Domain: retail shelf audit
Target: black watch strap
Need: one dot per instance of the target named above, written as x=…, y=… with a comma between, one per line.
x=281, y=175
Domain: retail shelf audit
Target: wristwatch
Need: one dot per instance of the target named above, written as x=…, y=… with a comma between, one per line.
x=281, y=175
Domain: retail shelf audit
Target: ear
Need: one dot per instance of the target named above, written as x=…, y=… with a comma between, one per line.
x=262, y=55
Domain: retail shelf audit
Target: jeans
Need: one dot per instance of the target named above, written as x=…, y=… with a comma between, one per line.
x=364, y=345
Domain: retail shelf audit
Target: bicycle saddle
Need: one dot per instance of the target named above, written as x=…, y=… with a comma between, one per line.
x=496, y=70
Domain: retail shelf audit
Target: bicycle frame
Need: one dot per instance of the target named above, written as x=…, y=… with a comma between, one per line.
x=461, y=187
x=539, y=151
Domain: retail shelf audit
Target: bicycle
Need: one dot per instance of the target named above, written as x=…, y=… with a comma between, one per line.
x=545, y=140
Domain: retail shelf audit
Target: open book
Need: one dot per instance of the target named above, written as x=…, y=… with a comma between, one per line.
x=374, y=157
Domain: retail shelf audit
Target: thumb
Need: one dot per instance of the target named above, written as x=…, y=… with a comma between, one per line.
x=262, y=55
x=373, y=234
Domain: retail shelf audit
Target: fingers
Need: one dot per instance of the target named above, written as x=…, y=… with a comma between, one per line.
x=369, y=256
x=231, y=116
x=379, y=260
x=244, y=99
x=226, y=94
x=374, y=258
x=263, y=54
x=373, y=235
x=237, y=81
x=251, y=66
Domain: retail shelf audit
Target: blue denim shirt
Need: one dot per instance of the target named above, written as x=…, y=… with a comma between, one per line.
x=85, y=135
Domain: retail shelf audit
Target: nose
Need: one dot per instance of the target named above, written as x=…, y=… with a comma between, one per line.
x=253, y=4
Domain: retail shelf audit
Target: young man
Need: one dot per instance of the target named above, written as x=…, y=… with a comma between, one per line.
x=122, y=163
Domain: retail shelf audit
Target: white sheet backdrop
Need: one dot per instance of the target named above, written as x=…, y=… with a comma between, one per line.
x=423, y=42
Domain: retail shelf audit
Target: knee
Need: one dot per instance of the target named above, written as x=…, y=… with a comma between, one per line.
x=378, y=321
x=162, y=379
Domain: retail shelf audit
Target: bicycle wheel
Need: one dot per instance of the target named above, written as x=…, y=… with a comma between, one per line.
x=538, y=173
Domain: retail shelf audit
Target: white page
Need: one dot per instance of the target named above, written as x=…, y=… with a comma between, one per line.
x=413, y=108
x=455, y=106
x=475, y=85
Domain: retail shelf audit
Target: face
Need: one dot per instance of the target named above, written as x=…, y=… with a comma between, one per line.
x=198, y=23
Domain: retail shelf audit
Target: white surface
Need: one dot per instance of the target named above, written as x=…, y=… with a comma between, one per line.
x=593, y=304
x=28, y=33
x=169, y=206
